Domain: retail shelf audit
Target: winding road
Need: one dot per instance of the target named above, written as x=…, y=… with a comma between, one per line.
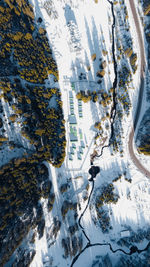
x=135, y=160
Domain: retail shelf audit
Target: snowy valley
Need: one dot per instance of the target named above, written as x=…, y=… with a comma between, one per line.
x=74, y=142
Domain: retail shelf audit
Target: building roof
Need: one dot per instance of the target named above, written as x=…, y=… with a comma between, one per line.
x=70, y=94
x=72, y=150
x=70, y=157
x=72, y=120
x=79, y=155
x=80, y=150
x=82, y=144
x=73, y=137
x=73, y=145
x=125, y=233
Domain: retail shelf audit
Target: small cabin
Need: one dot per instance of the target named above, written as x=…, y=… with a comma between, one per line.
x=72, y=120
x=125, y=233
x=73, y=137
x=70, y=95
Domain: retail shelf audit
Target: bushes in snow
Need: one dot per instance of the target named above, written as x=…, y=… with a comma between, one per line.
x=104, y=195
x=87, y=96
x=72, y=245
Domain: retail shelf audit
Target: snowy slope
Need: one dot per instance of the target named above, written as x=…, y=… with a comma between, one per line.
x=76, y=31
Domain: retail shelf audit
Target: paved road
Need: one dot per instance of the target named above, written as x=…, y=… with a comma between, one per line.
x=141, y=89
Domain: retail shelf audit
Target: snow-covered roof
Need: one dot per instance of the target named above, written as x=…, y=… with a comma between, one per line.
x=72, y=120
x=125, y=233
x=73, y=138
x=70, y=94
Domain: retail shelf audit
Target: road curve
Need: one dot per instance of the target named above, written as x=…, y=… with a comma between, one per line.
x=141, y=89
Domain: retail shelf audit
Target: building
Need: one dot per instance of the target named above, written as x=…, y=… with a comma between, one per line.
x=82, y=144
x=73, y=137
x=72, y=120
x=73, y=86
x=72, y=150
x=125, y=233
x=70, y=95
x=70, y=157
x=79, y=155
x=80, y=150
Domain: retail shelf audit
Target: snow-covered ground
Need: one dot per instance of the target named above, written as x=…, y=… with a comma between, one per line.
x=92, y=32
x=76, y=32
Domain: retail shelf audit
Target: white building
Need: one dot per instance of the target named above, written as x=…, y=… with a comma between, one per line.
x=125, y=233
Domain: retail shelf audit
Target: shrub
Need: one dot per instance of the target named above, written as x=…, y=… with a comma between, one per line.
x=147, y=10
x=93, y=57
x=104, y=52
x=100, y=73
